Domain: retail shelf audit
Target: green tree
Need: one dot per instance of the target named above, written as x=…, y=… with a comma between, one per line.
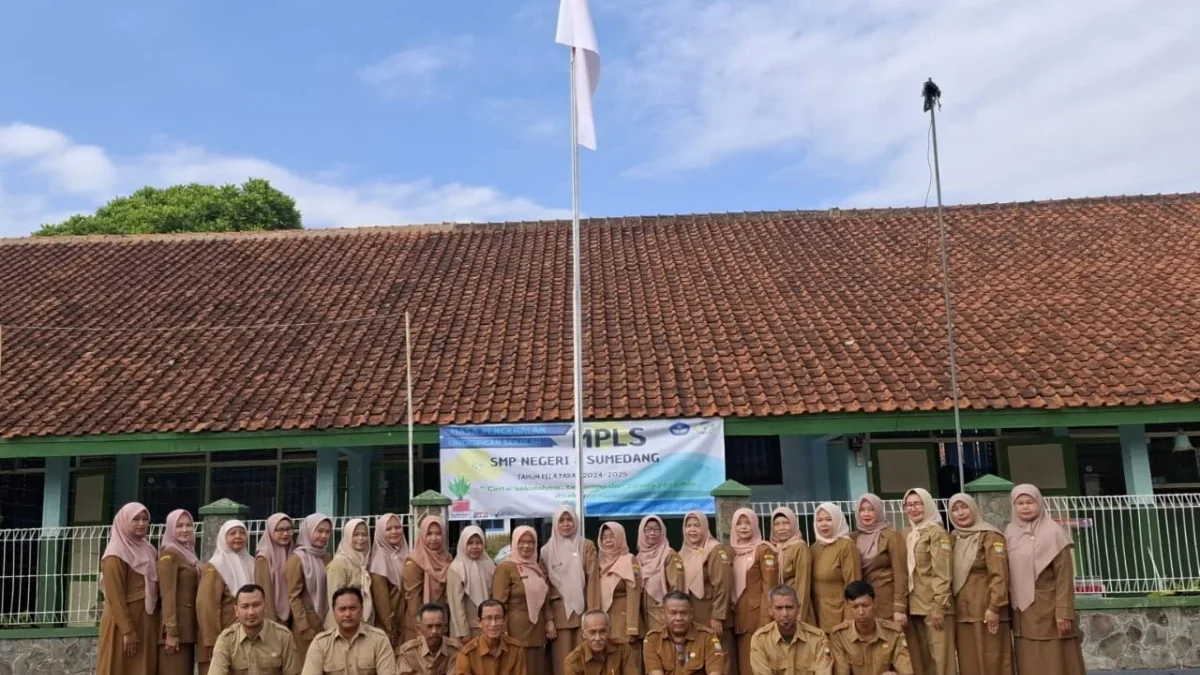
x=254, y=205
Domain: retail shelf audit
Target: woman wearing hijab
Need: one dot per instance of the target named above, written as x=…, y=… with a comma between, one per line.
x=755, y=573
x=980, y=585
x=305, y=577
x=229, y=568
x=835, y=563
x=129, y=578
x=387, y=571
x=884, y=561
x=574, y=568
x=795, y=566
x=350, y=568
x=621, y=587
x=178, y=581
x=662, y=571
x=270, y=561
x=929, y=553
x=424, y=577
x=469, y=583
x=1042, y=587
x=520, y=583
x=706, y=576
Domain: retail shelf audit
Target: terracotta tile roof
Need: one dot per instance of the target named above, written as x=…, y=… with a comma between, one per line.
x=1060, y=304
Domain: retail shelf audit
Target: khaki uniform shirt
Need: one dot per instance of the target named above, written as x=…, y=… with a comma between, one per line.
x=700, y=652
x=618, y=659
x=505, y=658
x=886, y=650
x=415, y=657
x=271, y=652
x=808, y=652
x=932, y=573
x=368, y=652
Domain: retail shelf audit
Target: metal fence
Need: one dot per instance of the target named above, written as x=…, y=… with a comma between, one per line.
x=51, y=577
x=1124, y=545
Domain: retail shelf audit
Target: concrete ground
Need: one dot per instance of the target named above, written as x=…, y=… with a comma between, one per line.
x=1180, y=671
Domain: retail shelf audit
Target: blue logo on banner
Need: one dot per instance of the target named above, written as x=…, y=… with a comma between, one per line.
x=680, y=429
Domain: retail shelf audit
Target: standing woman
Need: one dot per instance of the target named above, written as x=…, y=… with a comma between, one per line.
x=229, y=568
x=621, y=587
x=573, y=568
x=755, y=573
x=930, y=563
x=520, y=583
x=706, y=575
x=835, y=563
x=795, y=567
x=980, y=585
x=1042, y=584
x=178, y=580
x=884, y=562
x=469, y=583
x=305, y=576
x=662, y=571
x=129, y=578
x=270, y=562
x=349, y=568
x=425, y=573
x=387, y=572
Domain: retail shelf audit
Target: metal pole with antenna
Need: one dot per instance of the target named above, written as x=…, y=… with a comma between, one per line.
x=933, y=101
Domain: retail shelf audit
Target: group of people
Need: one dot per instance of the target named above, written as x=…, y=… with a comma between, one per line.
x=871, y=601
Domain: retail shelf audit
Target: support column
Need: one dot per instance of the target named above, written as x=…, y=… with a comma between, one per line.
x=327, y=481
x=731, y=496
x=213, y=517
x=358, y=481
x=52, y=547
x=992, y=493
x=855, y=467
x=1135, y=459
x=125, y=481
x=429, y=503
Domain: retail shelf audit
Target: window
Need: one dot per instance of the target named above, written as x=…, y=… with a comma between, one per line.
x=253, y=486
x=164, y=491
x=299, y=489
x=753, y=460
x=21, y=499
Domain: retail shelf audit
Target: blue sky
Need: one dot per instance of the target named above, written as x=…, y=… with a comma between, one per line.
x=397, y=111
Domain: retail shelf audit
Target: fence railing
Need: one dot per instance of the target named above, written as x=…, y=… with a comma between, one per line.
x=1124, y=545
x=50, y=577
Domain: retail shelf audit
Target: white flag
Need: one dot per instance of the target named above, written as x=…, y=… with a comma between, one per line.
x=575, y=30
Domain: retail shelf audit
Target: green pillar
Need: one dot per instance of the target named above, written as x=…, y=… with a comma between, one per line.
x=52, y=589
x=125, y=481
x=327, y=481
x=213, y=516
x=358, y=483
x=731, y=496
x=1135, y=460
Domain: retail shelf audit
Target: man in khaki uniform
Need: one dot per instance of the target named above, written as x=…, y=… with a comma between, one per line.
x=866, y=645
x=492, y=652
x=787, y=645
x=682, y=646
x=353, y=647
x=432, y=653
x=597, y=654
x=254, y=644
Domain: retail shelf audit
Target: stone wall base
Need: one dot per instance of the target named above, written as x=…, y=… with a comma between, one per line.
x=1114, y=639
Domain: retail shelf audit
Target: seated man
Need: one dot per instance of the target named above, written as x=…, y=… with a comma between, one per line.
x=682, y=646
x=866, y=645
x=493, y=652
x=598, y=655
x=787, y=644
x=432, y=653
x=350, y=644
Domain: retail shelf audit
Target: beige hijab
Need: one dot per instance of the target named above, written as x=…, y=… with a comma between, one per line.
x=563, y=557
x=477, y=574
x=1032, y=546
x=435, y=562
x=695, y=559
x=796, y=538
x=615, y=565
x=359, y=564
x=236, y=568
x=745, y=550
x=387, y=560
x=968, y=539
x=840, y=529
x=653, y=560
x=137, y=552
x=532, y=574
x=276, y=557
x=868, y=536
x=931, y=519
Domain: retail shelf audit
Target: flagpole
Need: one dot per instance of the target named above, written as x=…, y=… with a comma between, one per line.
x=576, y=300
x=409, y=398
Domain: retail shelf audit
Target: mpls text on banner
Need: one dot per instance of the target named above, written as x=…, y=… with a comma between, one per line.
x=631, y=468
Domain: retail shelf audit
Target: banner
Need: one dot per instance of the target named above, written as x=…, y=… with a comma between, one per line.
x=631, y=468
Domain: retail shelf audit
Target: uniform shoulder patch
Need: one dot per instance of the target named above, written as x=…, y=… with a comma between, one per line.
x=716, y=643
x=998, y=547
x=724, y=555
x=166, y=557
x=946, y=543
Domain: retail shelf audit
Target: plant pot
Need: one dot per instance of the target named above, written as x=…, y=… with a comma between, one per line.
x=460, y=506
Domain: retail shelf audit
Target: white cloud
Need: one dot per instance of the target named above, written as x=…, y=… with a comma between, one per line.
x=1042, y=98
x=410, y=73
x=45, y=177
